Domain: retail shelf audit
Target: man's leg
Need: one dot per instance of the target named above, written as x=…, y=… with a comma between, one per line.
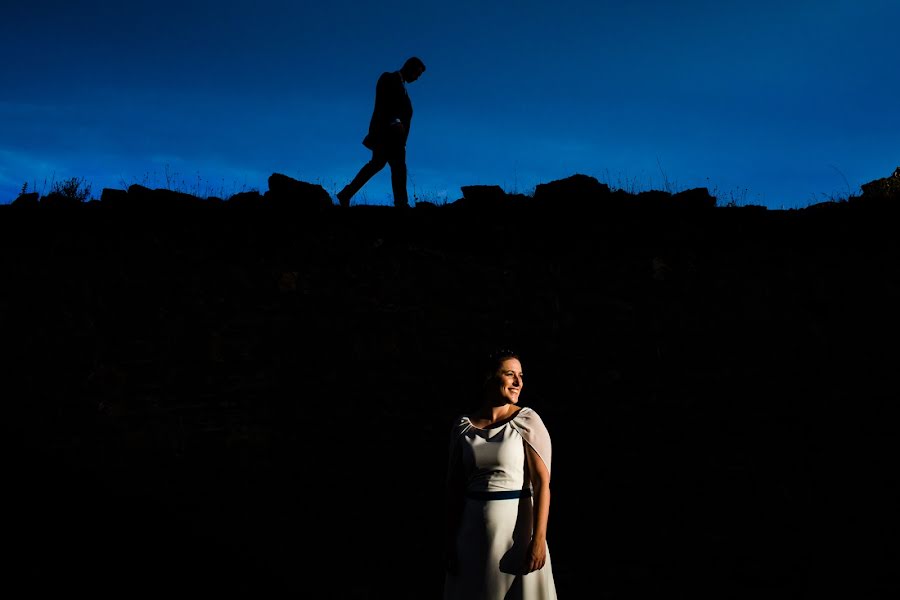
x=397, y=160
x=365, y=174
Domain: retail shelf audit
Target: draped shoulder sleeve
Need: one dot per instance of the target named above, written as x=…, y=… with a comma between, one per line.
x=460, y=426
x=530, y=426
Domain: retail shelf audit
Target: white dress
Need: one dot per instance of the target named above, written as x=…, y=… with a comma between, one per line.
x=494, y=533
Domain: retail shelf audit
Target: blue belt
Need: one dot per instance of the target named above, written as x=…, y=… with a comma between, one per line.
x=500, y=495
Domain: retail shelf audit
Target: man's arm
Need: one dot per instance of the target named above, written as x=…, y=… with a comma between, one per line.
x=387, y=99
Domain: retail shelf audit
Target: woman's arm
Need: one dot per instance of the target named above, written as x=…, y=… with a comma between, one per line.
x=454, y=503
x=540, y=484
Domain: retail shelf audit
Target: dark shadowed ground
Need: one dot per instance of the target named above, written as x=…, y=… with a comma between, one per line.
x=257, y=399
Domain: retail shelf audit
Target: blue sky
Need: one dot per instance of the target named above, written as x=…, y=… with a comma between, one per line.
x=776, y=103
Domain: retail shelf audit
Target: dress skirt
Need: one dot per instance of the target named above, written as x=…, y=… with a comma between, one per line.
x=491, y=547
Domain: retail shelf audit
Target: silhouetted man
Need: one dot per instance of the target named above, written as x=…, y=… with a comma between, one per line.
x=388, y=131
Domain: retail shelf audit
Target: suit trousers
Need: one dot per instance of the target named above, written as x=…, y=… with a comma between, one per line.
x=395, y=156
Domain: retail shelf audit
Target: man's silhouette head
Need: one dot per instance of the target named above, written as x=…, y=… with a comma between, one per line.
x=412, y=69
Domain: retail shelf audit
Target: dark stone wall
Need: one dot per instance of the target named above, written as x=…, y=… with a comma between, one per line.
x=216, y=398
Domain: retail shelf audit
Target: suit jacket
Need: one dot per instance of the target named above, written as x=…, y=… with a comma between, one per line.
x=391, y=103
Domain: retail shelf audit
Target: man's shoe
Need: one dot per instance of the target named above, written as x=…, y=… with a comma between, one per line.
x=343, y=199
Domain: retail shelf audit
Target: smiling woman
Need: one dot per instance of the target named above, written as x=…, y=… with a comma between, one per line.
x=498, y=494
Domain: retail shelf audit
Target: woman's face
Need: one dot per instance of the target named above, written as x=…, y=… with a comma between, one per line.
x=509, y=378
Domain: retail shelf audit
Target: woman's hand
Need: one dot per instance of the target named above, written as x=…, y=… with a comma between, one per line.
x=536, y=556
x=452, y=562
